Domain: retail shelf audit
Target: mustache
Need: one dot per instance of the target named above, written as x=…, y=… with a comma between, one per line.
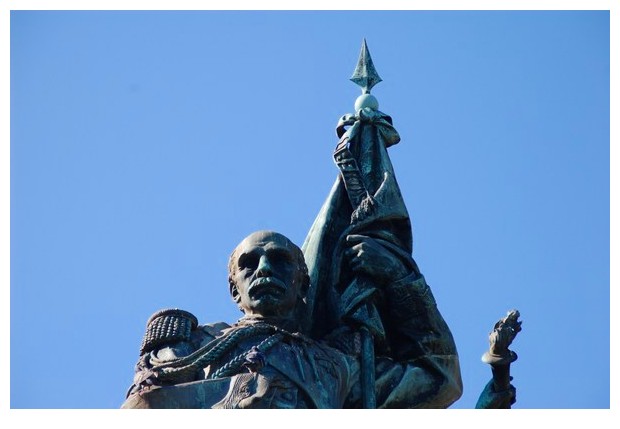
x=265, y=282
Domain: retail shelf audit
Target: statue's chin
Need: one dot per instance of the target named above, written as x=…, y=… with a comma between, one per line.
x=269, y=305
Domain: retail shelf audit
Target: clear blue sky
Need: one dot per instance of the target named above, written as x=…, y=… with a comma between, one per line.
x=146, y=145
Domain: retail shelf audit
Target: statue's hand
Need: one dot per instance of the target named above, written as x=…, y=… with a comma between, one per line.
x=366, y=256
x=490, y=398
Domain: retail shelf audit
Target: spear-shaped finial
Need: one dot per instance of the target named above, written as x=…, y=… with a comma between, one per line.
x=366, y=76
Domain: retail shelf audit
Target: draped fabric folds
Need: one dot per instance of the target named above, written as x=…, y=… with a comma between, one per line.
x=380, y=214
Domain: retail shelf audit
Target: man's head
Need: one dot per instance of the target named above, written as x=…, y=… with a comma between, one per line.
x=267, y=275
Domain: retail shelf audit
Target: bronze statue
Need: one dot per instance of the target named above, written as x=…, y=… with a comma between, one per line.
x=347, y=321
x=265, y=361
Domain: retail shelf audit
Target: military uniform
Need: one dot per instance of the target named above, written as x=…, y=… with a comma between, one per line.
x=295, y=371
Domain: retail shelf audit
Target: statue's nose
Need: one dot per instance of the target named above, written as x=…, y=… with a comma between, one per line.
x=264, y=267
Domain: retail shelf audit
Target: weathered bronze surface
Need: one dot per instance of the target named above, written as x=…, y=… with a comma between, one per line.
x=499, y=393
x=347, y=321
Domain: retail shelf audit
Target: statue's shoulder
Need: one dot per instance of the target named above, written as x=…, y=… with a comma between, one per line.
x=210, y=331
x=168, y=326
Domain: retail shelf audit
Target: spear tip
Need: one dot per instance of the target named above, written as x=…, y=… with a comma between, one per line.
x=365, y=75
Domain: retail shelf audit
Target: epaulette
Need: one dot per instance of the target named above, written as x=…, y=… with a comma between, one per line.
x=166, y=326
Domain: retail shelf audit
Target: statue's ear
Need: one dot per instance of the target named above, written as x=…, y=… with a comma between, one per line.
x=234, y=292
x=304, y=284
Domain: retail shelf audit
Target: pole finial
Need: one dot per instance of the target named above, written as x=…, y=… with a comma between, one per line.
x=365, y=74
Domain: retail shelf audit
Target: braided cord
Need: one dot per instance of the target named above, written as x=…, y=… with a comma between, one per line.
x=207, y=354
x=233, y=366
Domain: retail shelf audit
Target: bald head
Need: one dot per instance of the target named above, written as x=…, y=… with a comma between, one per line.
x=267, y=274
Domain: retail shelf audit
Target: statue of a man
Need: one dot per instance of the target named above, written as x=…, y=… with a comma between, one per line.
x=349, y=322
x=266, y=361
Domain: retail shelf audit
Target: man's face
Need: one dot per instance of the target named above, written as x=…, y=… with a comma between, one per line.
x=267, y=275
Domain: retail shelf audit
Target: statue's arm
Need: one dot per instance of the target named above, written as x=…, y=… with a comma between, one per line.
x=423, y=370
x=421, y=367
x=492, y=397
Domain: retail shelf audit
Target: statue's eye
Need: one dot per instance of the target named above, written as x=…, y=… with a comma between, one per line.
x=280, y=258
x=249, y=261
